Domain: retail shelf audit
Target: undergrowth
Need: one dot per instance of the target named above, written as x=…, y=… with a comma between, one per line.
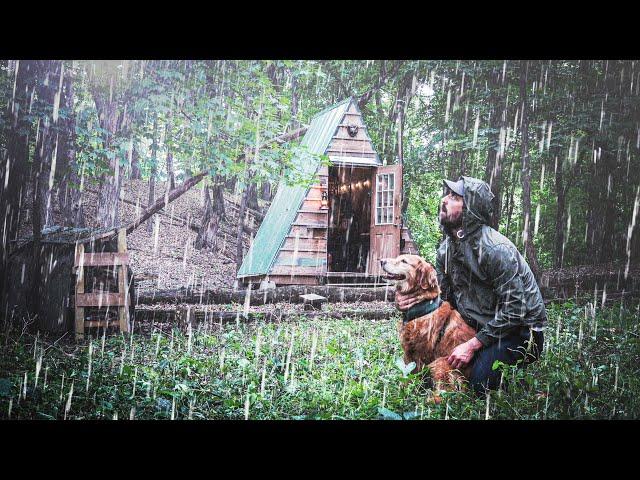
x=313, y=369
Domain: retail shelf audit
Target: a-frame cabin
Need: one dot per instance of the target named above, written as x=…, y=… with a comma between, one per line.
x=338, y=229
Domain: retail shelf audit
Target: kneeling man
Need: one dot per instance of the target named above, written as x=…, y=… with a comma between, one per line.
x=484, y=277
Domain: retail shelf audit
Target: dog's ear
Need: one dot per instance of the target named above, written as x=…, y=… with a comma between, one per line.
x=427, y=276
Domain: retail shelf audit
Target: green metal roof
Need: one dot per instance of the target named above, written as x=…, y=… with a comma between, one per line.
x=288, y=198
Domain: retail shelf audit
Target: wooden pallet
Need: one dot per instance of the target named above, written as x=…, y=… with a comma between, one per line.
x=119, y=260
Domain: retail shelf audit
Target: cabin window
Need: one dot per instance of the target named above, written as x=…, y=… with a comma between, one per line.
x=385, y=184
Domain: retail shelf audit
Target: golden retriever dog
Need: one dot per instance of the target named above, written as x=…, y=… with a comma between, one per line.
x=428, y=339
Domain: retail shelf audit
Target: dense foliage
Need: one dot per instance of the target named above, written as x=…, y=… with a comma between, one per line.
x=305, y=369
x=439, y=118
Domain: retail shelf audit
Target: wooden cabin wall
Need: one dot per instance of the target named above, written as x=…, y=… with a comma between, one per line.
x=57, y=286
x=303, y=255
x=18, y=283
x=343, y=145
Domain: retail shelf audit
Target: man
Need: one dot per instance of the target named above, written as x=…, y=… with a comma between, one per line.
x=483, y=276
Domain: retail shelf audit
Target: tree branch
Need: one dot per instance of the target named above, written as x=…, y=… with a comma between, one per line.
x=188, y=184
x=365, y=97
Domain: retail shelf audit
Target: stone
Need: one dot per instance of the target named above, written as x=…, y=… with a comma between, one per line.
x=313, y=301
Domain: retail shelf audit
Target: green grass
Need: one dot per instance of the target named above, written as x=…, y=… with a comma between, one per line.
x=313, y=369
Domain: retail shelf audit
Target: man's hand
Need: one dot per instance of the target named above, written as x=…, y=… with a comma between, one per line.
x=463, y=353
x=405, y=302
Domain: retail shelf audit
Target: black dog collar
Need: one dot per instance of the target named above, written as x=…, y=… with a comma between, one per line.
x=420, y=309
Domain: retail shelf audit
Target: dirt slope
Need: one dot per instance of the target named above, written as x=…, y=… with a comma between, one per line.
x=166, y=258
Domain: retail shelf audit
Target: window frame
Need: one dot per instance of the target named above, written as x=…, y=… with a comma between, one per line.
x=384, y=211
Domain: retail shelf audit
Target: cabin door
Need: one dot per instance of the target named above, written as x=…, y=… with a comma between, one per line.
x=386, y=204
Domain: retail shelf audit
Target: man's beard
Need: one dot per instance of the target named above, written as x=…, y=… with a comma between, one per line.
x=451, y=224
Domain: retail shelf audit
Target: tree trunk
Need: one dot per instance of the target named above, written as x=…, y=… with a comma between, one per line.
x=252, y=197
x=495, y=157
x=463, y=162
x=170, y=172
x=48, y=91
x=110, y=182
x=608, y=239
x=71, y=189
x=214, y=212
x=287, y=293
x=48, y=88
x=241, y=213
x=265, y=191
x=164, y=201
x=400, y=120
x=14, y=170
x=154, y=170
x=510, y=207
x=495, y=181
x=294, y=102
x=560, y=208
x=135, y=163
x=230, y=183
x=529, y=247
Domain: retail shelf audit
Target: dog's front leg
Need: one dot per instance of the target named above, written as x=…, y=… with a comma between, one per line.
x=445, y=377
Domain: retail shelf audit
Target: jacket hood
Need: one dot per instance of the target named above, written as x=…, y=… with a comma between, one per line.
x=478, y=206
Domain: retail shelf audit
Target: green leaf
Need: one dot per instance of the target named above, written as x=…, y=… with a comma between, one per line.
x=405, y=369
x=497, y=364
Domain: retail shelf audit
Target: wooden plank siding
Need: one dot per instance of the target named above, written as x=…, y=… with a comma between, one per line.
x=310, y=227
x=106, y=259
x=343, y=144
x=309, y=204
x=315, y=192
x=307, y=217
x=79, y=311
x=305, y=243
x=302, y=259
x=100, y=300
x=349, y=146
x=284, y=270
x=296, y=279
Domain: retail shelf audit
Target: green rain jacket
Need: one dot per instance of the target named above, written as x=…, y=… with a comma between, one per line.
x=484, y=276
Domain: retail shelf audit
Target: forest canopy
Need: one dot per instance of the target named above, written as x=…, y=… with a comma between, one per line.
x=558, y=141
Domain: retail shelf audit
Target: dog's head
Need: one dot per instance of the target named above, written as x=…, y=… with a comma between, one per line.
x=411, y=273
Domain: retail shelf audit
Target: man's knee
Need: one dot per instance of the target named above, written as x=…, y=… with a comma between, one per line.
x=483, y=379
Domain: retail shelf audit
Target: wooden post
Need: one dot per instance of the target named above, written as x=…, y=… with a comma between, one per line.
x=79, y=290
x=123, y=286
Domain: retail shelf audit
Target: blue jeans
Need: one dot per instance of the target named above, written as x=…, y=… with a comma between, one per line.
x=509, y=350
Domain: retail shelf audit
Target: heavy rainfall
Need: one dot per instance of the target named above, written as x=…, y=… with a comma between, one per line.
x=203, y=239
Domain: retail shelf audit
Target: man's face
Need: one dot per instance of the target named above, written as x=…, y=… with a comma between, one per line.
x=451, y=210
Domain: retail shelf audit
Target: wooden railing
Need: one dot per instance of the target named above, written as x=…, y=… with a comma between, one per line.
x=119, y=260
